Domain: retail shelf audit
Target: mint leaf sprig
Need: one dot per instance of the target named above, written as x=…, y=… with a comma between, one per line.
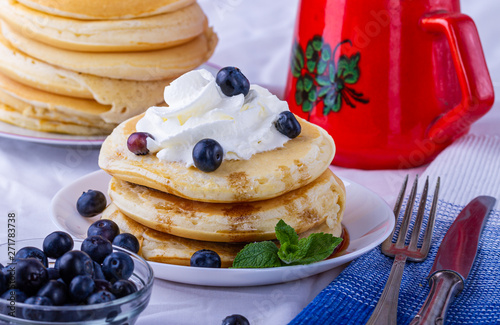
x=292, y=250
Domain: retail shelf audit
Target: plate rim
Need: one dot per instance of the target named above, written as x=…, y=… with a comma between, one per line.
x=239, y=272
x=45, y=138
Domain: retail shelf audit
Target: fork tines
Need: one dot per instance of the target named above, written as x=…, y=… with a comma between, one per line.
x=412, y=251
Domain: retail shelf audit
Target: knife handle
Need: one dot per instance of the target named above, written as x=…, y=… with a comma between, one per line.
x=444, y=286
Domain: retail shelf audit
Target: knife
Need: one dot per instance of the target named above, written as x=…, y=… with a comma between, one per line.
x=454, y=260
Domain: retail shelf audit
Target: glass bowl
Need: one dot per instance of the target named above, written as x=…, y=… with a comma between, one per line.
x=123, y=310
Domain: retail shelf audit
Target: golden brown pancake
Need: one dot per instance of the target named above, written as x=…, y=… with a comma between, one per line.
x=38, y=110
x=147, y=65
x=265, y=175
x=320, y=201
x=12, y=116
x=126, y=98
x=117, y=35
x=14, y=92
x=164, y=248
x=108, y=9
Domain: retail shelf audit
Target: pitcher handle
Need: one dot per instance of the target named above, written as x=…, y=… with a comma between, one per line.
x=475, y=82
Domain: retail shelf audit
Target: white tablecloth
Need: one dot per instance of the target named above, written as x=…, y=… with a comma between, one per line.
x=255, y=36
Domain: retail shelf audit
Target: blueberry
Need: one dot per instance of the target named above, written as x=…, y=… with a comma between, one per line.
x=105, y=228
x=53, y=273
x=4, y=281
x=37, y=314
x=127, y=241
x=98, y=275
x=207, y=155
x=205, y=258
x=97, y=247
x=74, y=263
x=117, y=266
x=232, y=82
x=14, y=295
x=102, y=285
x=8, y=276
x=122, y=288
x=112, y=313
x=91, y=203
x=32, y=252
x=100, y=297
x=31, y=275
x=137, y=143
x=235, y=320
x=81, y=287
x=57, y=243
x=56, y=291
x=57, y=263
x=8, y=307
x=74, y=315
x=288, y=125
x=8, y=270
x=39, y=300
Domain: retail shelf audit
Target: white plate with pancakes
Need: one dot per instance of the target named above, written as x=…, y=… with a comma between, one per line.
x=367, y=218
x=11, y=131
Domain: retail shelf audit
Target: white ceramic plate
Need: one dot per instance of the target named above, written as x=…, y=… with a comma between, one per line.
x=368, y=220
x=15, y=132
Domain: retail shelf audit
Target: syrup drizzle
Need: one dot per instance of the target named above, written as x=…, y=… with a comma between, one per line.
x=342, y=247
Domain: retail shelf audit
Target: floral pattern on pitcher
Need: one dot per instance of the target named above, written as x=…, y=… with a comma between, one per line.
x=318, y=76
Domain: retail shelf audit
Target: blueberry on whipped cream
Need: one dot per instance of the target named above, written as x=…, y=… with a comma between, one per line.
x=198, y=109
x=232, y=82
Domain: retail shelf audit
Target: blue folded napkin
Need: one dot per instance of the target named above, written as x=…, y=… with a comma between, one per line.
x=470, y=167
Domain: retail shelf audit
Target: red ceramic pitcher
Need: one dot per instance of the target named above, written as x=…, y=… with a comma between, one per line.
x=393, y=81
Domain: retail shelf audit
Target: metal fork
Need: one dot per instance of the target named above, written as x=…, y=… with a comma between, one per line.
x=386, y=310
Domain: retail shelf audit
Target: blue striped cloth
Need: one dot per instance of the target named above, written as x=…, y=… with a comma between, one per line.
x=468, y=168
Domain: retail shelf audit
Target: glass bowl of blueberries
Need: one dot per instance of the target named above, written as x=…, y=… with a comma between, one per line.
x=58, y=279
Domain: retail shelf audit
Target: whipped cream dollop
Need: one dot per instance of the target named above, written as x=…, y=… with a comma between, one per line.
x=197, y=109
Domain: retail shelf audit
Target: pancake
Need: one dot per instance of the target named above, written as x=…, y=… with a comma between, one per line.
x=38, y=110
x=108, y=9
x=265, y=175
x=164, y=248
x=35, y=73
x=47, y=113
x=79, y=108
x=147, y=65
x=125, y=98
x=12, y=116
x=321, y=201
x=140, y=34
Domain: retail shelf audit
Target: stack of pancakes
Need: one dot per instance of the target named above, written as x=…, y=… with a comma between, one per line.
x=82, y=67
x=175, y=211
